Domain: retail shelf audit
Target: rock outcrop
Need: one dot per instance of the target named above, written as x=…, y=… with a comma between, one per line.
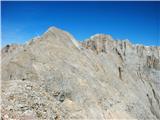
x=55, y=77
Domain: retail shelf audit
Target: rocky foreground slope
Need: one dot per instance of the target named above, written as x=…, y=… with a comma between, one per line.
x=55, y=77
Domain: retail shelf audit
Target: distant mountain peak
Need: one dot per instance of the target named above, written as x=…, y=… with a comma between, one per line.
x=100, y=36
x=53, y=29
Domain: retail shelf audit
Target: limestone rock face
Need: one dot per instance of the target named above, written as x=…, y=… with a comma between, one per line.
x=55, y=77
x=8, y=49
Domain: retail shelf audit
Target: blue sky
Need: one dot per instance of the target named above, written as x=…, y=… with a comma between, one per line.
x=137, y=21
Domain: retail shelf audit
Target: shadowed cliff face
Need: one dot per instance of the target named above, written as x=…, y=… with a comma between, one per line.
x=56, y=77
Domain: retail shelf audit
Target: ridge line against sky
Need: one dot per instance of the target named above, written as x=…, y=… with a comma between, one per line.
x=137, y=21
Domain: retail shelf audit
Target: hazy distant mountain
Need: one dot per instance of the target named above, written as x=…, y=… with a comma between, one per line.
x=56, y=77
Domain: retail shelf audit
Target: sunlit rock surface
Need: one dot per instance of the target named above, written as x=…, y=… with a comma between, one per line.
x=55, y=77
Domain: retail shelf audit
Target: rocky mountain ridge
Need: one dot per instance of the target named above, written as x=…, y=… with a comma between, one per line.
x=54, y=76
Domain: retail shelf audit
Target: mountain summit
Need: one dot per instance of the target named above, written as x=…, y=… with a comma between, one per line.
x=56, y=77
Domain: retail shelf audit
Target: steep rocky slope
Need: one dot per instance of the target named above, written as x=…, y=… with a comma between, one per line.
x=56, y=77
